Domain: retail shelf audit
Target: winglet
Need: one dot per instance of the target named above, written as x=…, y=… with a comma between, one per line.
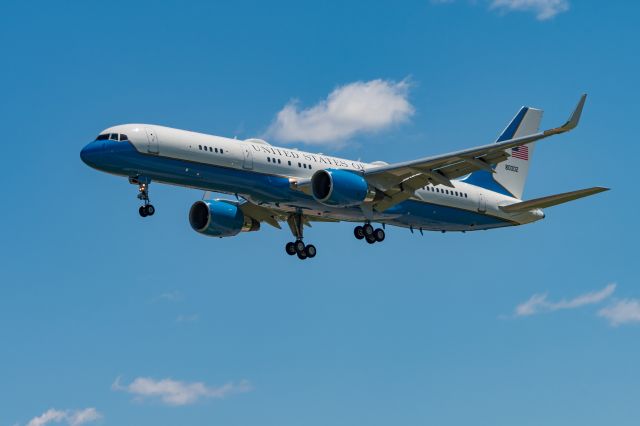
x=573, y=120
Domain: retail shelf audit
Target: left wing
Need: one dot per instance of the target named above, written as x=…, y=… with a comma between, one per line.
x=400, y=181
x=267, y=214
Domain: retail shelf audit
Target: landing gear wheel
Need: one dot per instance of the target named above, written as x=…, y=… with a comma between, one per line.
x=310, y=251
x=150, y=209
x=299, y=246
x=368, y=230
x=142, y=211
x=379, y=235
x=370, y=239
x=302, y=255
x=290, y=248
x=358, y=232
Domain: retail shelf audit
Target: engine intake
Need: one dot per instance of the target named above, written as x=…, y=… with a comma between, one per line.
x=342, y=188
x=217, y=218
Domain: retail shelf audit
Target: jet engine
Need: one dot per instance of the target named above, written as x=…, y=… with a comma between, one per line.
x=217, y=218
x=341, y=188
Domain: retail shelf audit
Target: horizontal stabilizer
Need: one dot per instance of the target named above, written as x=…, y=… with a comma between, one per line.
x=551, y=200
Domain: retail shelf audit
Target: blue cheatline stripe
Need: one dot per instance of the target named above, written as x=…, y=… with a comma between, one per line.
x=124, y=159
x=485, y=180
x=512, y=128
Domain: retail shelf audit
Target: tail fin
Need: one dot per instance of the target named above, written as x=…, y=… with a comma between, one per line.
x=510, y=176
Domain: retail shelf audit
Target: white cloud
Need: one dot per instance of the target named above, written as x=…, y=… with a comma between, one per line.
x=170, y=296
x=70, y=417
x=187, y=318
x=51, y=415
x=173, y=392
x=543, y=9
x=360, y=107
x=622, y=312
x=539, y=303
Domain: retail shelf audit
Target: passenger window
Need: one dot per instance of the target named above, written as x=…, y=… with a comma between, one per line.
x=309, y=166
x=289, y=162
x=123, y=138
x=200, y=147
x=279, y=162
x=268, y=159
x=221, y=152
x=103, y=137
x=216, y=150
x=299, y=165
x=304, y=165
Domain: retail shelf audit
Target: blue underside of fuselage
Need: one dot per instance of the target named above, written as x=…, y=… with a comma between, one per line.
x=121, y=158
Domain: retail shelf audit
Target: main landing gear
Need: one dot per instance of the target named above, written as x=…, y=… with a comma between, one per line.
x=369, y=234
x=298, y=247
x=147, y=208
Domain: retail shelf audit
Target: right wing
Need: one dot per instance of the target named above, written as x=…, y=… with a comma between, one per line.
x=400, y=181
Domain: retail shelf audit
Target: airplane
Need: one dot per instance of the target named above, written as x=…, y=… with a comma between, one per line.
x=472, y=189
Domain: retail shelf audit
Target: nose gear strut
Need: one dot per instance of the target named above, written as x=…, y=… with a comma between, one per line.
x=147, y=208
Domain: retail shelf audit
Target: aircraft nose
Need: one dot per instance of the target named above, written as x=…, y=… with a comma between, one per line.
x=90, y=153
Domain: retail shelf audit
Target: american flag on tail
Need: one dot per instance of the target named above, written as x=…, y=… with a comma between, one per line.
x=521, y=152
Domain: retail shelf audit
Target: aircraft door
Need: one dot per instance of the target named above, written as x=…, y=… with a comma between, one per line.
x=248, y=158
x=152, y=141
x=482, y=204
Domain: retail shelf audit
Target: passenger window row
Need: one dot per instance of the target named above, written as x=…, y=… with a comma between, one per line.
x=278, y=161
x=210, y=149
x=112, y=137
x=447, y=192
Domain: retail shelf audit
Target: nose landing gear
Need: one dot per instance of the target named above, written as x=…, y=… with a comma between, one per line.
x=147, y=208
x=369, y=234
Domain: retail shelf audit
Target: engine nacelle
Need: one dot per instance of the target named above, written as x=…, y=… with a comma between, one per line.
x=217, y=218
x=342, y=188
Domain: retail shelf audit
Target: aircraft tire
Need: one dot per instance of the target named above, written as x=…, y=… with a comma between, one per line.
x=290, y=248
x=379, y=235
x=310, y=251
x=358, y=232
x=368, y=230
x=142, y=211
x=370, y=239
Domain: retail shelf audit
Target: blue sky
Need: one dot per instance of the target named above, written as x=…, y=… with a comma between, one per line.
x=109, y=319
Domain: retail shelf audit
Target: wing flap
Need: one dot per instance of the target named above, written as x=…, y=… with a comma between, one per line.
x=259, y=213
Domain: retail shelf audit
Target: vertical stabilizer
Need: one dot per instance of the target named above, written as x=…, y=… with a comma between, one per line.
x=510, y=175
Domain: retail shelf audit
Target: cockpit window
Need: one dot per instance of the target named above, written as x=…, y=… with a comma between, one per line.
x=103, y=137
x=123, y=138
x=113, y=137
